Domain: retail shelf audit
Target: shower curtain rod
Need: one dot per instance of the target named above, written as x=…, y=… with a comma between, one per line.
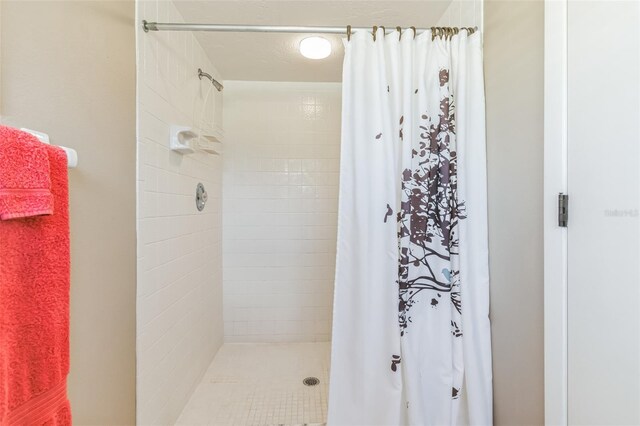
x=167, y=26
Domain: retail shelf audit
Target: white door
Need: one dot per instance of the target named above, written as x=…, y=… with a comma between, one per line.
x=603, y=275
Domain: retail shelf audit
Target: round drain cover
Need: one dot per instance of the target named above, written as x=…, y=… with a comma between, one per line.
x=311, y=381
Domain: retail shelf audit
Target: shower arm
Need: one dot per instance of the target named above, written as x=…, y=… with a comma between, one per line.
x=215, y=82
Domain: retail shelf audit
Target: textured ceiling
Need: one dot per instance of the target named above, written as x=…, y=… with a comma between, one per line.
x=275, y=57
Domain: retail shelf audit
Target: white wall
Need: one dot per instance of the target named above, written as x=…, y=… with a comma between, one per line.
x=463, y=13
x=179, y=301
x=281, y=168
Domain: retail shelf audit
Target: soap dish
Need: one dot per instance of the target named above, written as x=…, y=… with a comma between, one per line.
x=208, y=144
x=181, y=137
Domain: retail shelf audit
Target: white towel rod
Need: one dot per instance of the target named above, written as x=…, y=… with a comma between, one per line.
x=72, y=155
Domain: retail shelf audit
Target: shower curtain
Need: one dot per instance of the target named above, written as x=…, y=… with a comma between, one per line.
x=411, y=336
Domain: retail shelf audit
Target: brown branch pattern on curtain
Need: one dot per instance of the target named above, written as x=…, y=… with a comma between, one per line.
x=428, y=217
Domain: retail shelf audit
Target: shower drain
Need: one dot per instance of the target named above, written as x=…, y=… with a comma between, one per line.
x=311, y=381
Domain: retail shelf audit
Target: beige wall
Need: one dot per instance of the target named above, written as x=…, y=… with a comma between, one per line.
x=513, y=54
x=68, y=69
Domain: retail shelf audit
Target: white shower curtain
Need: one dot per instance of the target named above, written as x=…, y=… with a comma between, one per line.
x=411, y=335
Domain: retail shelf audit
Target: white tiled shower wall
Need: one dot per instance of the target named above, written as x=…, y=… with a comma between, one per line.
x=179, y=305
x=463, y=13
x=281, y=169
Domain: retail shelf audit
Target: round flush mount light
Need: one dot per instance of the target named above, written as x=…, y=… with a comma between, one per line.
x=315, y=47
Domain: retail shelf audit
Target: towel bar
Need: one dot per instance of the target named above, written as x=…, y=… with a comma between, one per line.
x=72, y=155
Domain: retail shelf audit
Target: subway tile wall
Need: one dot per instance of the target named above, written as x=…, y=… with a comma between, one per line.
x=281, y=169
x=179, y=300
x=463, y=13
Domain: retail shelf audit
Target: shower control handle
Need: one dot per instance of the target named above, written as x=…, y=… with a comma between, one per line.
x=201, y=197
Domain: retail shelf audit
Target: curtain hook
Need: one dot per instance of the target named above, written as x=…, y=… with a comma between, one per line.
x=375, y=30
x=399, y=30
x=348, y=32
x=433, y=33
x=414, y=32
x=384, y=31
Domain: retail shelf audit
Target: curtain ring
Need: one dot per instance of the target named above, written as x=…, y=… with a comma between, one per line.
x=348, y=32
x=433, y=33
x=375, y=30
x=414, y=32
x=399, y=30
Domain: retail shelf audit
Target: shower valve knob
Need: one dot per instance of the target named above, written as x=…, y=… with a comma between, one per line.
x=201, y=197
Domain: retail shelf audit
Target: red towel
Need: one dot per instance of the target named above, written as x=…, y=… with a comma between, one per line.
x=34, y=288
x=25, y=186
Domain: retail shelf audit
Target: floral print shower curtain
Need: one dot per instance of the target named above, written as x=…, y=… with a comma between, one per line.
x=411, y=334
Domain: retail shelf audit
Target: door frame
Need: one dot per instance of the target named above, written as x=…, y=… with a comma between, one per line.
x=555, y=237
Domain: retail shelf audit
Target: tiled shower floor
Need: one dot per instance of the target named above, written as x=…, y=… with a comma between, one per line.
x=261, y=384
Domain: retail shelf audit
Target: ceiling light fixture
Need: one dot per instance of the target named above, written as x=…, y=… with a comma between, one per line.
x=315, y=47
